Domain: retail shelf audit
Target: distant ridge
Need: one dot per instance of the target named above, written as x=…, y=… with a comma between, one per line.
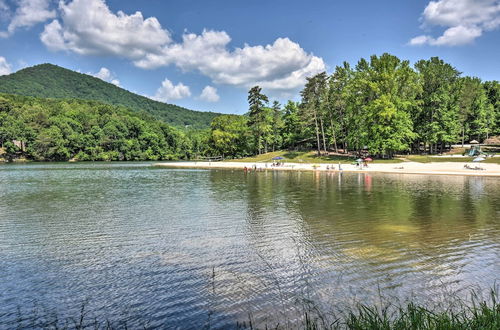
x=52, y=81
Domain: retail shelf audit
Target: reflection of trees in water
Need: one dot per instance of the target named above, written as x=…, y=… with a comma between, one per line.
x=348, y=234
x=274, y=241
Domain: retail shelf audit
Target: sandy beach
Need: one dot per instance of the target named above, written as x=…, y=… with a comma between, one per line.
x=438, y=168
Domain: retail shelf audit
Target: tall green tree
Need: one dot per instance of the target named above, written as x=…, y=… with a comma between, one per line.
x=382, y=98
x=436, y=121
x=475, y=110
x=276, y=126
x=336, y=103
x=230, y=135
x=258, y=117
x=311, y=106
x=293, y=130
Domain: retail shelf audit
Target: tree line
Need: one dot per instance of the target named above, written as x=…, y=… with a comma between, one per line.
x=60, y=130
x=381, y=105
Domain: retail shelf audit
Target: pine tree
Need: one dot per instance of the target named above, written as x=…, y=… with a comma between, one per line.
x=257, y=116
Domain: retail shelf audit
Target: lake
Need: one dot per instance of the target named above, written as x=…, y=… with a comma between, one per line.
x=184, y=248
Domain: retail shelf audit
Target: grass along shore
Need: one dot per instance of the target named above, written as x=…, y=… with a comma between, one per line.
x=476, y=314
x=312, y=158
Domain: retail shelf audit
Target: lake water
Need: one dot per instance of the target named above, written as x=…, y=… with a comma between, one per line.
x=191, y=248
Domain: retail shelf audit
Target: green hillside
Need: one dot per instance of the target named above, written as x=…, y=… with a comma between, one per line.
x=62, y=129
x=52, y=81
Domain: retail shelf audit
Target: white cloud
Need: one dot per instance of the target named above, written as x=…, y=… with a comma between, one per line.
x=5, y=67
x=282, y=65
x=458, y=35
x=103, y=74
x=465, y=21
x=106, y=75
x=28, y=14
x=209, y=94
x=88, y=27
x=169, y=91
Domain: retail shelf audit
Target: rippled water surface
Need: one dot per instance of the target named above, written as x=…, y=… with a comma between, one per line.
x=184, y=248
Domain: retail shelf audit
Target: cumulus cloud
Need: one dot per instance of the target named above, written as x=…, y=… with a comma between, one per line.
x=88, y=27
x=5, y=67
x=209, y=94
x=168, y=91
x=281, y=65
x=27, y=14
x=106, y=75
x=464, y=20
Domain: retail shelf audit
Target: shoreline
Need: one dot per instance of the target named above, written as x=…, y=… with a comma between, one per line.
x=436, y=168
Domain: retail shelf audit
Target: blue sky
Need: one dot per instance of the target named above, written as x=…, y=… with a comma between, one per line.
x=205, y=55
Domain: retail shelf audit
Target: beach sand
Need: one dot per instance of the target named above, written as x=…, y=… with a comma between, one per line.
x=438, y=168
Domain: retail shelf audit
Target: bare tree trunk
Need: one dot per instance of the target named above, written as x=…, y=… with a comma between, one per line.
x=258, y=144
x=334, y=137
x=317, y=134
x=322, y=133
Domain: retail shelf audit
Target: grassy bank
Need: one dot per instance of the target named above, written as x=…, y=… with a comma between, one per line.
x=307, y=157
x=312, y=158
x=431, y=159
x=476, y=314
x=482, y=316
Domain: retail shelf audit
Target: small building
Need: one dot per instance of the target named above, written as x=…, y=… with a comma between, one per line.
x=20, y=144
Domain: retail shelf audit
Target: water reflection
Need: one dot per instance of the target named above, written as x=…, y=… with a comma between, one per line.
x=184, y=247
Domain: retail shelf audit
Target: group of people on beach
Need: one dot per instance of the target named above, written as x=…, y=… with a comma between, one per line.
x=254, y=168
x=332, y=167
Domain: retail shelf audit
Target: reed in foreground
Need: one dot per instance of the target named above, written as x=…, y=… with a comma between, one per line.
x=478, y=314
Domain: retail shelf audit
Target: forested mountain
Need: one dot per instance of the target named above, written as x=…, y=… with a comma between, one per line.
x=52, y=81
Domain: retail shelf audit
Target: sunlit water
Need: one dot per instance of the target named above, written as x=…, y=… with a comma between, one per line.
x=190, y=248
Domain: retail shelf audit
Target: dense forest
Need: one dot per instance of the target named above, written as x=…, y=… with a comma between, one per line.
x=53, y=129
x=382, y=105
x=52, y=81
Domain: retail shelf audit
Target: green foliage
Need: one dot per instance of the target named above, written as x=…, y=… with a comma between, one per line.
x=293, y=130
x=59, y=130
x=437, y=119
x=51, y=81
x=312, y=109
x=335, y=102
x=259, y=118
x=475, y=111
x=493, y=93
x=230, y=135
x=382, y=97
x=381, y=104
